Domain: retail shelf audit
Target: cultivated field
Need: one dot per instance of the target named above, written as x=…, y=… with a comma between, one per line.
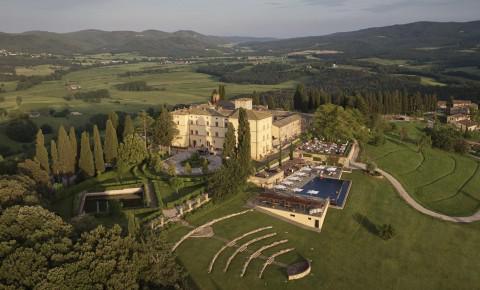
x=38, y=70
x=424, y=254
x=178, y=84
x=445, y=182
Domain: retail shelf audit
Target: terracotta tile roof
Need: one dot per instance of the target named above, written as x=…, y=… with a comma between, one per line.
x=253, y=115
x=287, y=120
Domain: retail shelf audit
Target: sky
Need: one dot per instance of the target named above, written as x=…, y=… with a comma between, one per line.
x=264, y=18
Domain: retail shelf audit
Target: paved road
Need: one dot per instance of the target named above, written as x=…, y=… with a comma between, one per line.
x=406, y=196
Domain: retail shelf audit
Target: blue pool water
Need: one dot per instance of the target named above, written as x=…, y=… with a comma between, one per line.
x=334, y=189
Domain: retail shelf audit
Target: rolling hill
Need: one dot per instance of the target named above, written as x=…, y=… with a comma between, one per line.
x=149, y=42
x=404, y=41
x=433, y=40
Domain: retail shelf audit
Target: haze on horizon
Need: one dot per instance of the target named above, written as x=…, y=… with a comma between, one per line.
x=272, y=18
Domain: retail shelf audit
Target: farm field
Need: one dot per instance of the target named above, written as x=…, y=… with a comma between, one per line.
x=385, y=61
x=38, y=70
x=180, y=84
x=424, y=254
x=441, y=181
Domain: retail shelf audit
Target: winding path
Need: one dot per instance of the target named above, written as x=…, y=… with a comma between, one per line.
x=404, y=194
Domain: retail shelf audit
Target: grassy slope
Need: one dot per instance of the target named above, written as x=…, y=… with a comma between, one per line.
x=424, y=254
x=181, y=84
x=439, y=180
x=38, y=70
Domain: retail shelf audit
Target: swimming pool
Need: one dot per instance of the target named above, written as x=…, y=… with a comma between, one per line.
x=334, y=189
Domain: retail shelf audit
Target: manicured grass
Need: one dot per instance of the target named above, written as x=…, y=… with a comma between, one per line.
x=63, y=205
x=439, y=180
x=425, y=253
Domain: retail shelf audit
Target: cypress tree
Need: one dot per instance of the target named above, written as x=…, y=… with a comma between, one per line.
x=128, y=128
x=86, y=158
x=164, y=128
x=298, y=98
x=229, y=144
x=72, y=136
x=292, y=150
x=41, y=153
x=64, y=151
x=111, y=143
x=280, y=154
x=255, y=98
x=98, y=151
x=243, y=148
x=55, y=162
x=113, y=117
x=221, y=92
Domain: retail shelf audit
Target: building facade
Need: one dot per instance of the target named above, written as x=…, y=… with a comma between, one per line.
x=205, y=126
x=286, y=129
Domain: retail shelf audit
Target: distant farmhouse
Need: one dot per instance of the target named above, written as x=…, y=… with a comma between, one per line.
x=457, y=113
x=72, y=86
x=205, y=126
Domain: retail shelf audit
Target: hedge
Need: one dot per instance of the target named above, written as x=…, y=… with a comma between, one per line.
x=184, y=198
x=157, y=193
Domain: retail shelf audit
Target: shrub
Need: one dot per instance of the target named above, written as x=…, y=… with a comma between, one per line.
x=46, y=129
x=21, y=130
x=386, y=231
x=371, y=167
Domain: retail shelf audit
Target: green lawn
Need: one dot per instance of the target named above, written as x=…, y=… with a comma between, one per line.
x=442, y=181
x=425, y=253
x=64, y=203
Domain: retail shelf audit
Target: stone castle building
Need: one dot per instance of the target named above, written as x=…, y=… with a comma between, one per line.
x=205, y=126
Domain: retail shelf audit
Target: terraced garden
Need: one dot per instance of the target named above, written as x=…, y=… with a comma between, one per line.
x=444, y=182
x=67, y=201
x=345, y=254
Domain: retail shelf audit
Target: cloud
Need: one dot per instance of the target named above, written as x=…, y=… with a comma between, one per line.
x=327, y=3
x=300, y=3
x=386, y=6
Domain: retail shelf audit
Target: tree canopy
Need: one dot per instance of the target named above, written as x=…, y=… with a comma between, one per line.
x=336, y=123
x=86, y=163
x=111, y=142
x=164, y=129
x=40, y=250
x=230, y=143
x=131, y=152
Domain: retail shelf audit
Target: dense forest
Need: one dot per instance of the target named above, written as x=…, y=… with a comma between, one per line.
x=92, y=96
x=263, y=74
x=135, y=86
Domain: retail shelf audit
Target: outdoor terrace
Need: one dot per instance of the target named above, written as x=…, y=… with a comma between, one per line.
x=317, y=146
